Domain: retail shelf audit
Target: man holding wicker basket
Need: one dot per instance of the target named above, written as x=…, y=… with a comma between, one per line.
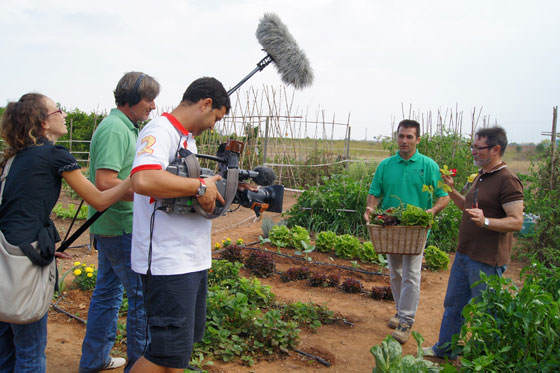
x=399, y=181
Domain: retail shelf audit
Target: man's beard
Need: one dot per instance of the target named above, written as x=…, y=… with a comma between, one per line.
x=481, y=162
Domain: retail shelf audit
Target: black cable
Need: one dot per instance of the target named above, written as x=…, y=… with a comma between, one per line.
x=73, y=220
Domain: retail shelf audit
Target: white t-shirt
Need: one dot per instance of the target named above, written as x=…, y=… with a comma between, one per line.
x=180, y=243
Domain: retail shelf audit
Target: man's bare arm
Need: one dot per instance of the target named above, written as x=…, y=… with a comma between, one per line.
x=372, y=202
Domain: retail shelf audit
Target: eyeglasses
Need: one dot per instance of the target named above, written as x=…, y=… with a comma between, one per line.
x=54, y=112
x=479, y=148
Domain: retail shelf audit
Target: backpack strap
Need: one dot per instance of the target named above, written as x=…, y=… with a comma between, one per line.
x=4, y=176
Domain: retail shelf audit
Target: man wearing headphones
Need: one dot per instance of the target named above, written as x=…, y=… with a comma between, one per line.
x=112, y=151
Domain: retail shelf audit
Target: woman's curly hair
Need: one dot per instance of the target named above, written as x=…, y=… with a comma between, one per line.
x=21, y=123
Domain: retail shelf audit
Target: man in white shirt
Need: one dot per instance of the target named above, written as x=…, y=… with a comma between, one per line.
x=171, y=251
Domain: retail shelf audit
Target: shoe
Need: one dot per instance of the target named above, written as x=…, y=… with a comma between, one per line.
x=429, y=352
x=193, y=369
x=402, y=333
x=393, y=322
x=115, y=362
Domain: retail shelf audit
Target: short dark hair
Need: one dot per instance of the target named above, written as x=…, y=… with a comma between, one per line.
x=494, y=136
x=207, y=88
x=409, y=123
x=133, y=87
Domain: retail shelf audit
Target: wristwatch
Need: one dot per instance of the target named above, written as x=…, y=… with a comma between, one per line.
x=486, y=223
x=201, y=189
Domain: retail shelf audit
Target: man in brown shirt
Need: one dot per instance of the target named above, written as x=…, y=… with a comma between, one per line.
x=492, y=211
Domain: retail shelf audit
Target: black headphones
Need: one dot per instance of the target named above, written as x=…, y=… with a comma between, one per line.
x=134, y=96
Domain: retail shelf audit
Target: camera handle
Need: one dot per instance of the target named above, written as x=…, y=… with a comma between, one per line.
x=232, y=179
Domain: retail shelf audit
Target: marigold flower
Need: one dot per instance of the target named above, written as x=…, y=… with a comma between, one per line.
x=89, y=269
x=77, y=264
x=77, y=272
x=89, y=274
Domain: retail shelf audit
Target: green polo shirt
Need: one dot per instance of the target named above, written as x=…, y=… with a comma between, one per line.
x=398, y=180
x=113, y=147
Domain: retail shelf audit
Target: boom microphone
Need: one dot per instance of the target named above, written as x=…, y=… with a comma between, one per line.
x=281, y=48
x=291, y=62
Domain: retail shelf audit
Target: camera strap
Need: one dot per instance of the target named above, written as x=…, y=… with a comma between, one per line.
x=232, y=179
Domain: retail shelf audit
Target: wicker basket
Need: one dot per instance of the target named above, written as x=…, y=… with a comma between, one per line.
x=398, y=239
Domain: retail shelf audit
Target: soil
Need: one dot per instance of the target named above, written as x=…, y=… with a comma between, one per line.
x=345, y=345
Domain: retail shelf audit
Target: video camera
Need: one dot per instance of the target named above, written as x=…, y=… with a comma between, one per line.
x=267, y=198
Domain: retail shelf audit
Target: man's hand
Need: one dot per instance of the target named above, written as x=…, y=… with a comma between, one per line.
x=208, y=200
x=246, y=186
x=62, y=255
x=477, y=216
x=368, y=212
x=448, y=179
x=431, y=211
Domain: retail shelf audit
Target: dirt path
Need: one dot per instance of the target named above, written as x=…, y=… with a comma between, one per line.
x=346, y=347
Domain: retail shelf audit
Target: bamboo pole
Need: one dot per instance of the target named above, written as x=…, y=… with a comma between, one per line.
x=553, y=146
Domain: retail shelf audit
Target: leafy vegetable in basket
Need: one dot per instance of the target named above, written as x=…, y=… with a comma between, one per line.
x=409, y=216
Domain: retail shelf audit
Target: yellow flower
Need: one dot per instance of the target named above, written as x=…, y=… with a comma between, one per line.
x=77, y=264
x=89, y=269
x=217, y=245
x=77, y=272
x=240, y=241
x=471, y=178
x=89, y=274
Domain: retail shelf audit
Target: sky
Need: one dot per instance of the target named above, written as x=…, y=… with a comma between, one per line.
x=370, y=57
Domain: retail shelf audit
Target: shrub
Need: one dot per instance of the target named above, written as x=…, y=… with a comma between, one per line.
x=382, y=293
x=233, y=253
x=445, y=231
x=436, y=260
x=260, y=264
x=545, y=277
x=347, y=246
x=266, y=226
x=308, y=314
x=388, y=357
x=223, y=271
x=351, y=285
x=70, y=211
x=325, y=241
x=448, y=148
x=367, y=253
x=542, y=193
x=318, y=280
x=295, y=273
x=511, y=330
x=299, y=235
x=280, y=236
x=339, y=192
x=333, y=280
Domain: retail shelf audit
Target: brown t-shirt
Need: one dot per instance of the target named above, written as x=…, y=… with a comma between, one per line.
x=495, y=189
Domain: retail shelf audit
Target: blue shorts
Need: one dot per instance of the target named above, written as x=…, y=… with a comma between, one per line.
x=176, y=315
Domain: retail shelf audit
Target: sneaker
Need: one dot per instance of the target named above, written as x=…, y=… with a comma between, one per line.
x=193, y=369
x=115, y=362
x=402, y=333
x=393, y=322
x=429, y=352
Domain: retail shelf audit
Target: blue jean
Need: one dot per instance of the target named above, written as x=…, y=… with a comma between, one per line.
x=113, y=274
x=464, y=273
x=22, y=347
